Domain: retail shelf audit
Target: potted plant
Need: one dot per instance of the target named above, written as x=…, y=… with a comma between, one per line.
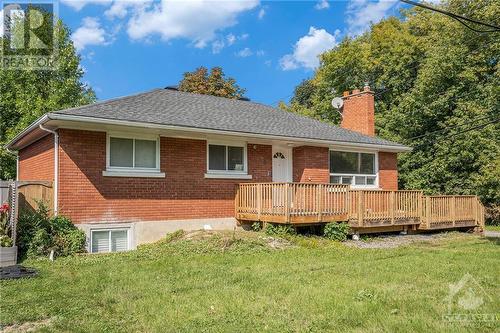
x=8, y=251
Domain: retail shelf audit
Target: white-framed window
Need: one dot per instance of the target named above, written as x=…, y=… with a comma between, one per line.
x=132, y=155
x=226, y=158
x=358, y=169
x=109, y=240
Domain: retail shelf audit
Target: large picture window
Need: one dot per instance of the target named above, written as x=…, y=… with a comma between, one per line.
x=353, y=168
x=226, y=158
x=134, y=154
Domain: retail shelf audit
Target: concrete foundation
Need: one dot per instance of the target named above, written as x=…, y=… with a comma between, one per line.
x=151, y=231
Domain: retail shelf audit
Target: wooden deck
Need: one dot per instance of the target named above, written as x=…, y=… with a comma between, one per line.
x=308, y=203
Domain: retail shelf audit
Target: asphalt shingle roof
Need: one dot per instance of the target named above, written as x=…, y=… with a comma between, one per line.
x=171, y=107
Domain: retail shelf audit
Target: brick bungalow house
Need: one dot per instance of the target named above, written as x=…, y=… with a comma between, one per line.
x=129, y=170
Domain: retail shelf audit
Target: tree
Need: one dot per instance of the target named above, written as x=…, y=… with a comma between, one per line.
x=216, y=83
x=435, y=81
x=27, y=94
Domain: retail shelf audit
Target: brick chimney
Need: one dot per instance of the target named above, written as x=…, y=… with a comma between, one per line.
x=358, y=113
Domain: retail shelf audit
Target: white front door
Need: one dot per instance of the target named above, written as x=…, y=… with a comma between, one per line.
x=282, y=164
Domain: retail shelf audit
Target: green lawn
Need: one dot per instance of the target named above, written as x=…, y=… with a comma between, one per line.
x=493, y=227
x=227, y=283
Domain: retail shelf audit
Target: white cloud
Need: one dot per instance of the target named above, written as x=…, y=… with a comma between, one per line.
x=120, y=8
x=90, y=33
x=79, y=4
x=322, y=4
x=308, y=48
x=197, y=20
x=362, y=13
x=230, y=39
x=243, y=36
x=246, y=52
x=260, y=53
x=261, y=14
x=217, y=46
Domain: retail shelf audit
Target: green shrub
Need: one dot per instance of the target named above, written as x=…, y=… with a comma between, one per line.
x=5, y=241
x=279, y=230
x=493, y=215
x=256, y=226
x=38, y=234
x=336, y=231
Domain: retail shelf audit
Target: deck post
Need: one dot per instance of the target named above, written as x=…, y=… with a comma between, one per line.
x=319, y=197
x=237, y=200
x=361, y=207
x=391, y=206
x=259, y=201
x=428, y=211
x=288, y=202
x=452, y=210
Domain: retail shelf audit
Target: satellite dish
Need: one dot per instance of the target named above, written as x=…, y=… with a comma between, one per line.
x=337, y=102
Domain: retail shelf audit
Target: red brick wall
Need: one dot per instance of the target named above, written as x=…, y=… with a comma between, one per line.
x=388, y=171
x=358, y=113
x=87, y=196
x=36, y=161
x=310, y=164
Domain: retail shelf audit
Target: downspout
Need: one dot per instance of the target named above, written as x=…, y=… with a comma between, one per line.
x=17, y=167
x=56, y=166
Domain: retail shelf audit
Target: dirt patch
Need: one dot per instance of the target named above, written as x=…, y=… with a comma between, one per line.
x=226, y=238
x=393, y=241
x=29, y=326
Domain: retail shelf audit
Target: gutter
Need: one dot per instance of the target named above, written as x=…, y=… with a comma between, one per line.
x=56, y=165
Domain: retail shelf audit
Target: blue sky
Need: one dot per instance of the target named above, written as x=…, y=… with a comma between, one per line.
x=267, y=46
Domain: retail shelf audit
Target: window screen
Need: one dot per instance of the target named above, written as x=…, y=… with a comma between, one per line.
x=145, y=154
x=216, y=157
x=235, y=158
x=121, y=152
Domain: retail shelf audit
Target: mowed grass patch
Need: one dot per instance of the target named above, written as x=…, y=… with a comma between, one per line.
x=227, y=282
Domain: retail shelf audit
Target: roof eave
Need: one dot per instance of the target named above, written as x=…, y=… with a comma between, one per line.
x=11, y=145
x=388, y=148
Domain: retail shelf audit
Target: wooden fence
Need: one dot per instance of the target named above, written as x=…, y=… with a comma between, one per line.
x=316, y=203
x=25, y=196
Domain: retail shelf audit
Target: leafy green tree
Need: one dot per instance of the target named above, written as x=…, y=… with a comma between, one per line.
x=437, y=90
x=27, y=94
x=216, y=83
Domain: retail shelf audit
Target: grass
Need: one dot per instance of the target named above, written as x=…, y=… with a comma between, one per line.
x=492, y=227
x=239, y=283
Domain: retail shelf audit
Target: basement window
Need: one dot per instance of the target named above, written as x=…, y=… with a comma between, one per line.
x=111, y=240
x=356, y=169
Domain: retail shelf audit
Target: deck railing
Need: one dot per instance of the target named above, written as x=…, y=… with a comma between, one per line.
x=292, y=202
x=450, y=211
x=314, y=203
x=377, y=207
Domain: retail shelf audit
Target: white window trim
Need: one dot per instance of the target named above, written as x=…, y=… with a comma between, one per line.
x=114, y=171
x=353, y=185
x=231, y=174
x=129, y=243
